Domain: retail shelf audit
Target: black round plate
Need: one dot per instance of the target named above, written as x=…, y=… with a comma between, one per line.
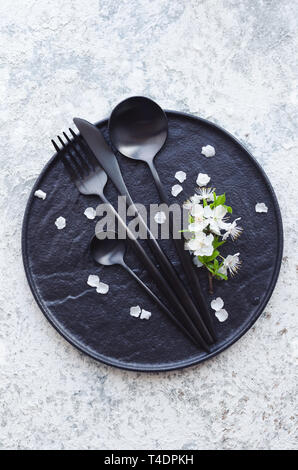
x=57, y=262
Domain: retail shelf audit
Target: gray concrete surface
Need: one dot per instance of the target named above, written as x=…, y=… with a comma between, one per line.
x=233, y=62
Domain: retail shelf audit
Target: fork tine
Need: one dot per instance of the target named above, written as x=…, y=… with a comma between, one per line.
x=65, y=162
x=82, y=161
x=91, y=159
x=55, y=146
x=61, y=141
x=72, y=133
x=75, y=158
x=88, y=152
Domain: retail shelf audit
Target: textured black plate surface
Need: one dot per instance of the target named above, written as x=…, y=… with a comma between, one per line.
x=57, y=262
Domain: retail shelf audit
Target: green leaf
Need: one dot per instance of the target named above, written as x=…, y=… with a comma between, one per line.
x=217, y=243
x=220, y=200
x=214, y=200
x=228, y=208
x=205, y=203
x=222, y=276
x=207, y=259
x=210, y=268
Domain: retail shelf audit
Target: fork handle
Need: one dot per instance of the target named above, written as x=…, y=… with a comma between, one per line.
x=160, y=281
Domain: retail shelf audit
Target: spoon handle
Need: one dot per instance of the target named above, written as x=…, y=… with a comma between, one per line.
x=158, y=301
x=185, y=260
x=160, y=281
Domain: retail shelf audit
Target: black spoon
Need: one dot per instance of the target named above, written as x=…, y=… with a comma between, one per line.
x=107, y=250
x=138, y=129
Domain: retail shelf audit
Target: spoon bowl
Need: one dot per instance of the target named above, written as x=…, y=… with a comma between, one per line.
x=138, y=128
x=109, y=250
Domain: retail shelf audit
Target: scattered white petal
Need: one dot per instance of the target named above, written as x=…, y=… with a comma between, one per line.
x=60, y=223
x=145, y=315
x=221, y=315
x=203, y=179
x=261, y=207
x=217, y=304
x=90, y=213
x=160, y=217
x=93, y=280
x=176, y=189
x=208, y=151
x=180, y=176
x=197, y=262
x=135, y=311
x=40, y=194
x=102, y=288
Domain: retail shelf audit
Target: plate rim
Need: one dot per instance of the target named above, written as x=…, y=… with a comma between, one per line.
x=165, y=366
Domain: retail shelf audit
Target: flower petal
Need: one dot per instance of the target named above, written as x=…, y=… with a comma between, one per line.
x=93, y=280
x=261, y=207
x=90, y=213
x=208, y=151
x=180, y=176
x=203, y=179
x=197, y=262
x=145, y=315
x=217, y=304
x=102, y=288
x=222, y=315
x=135, y=311
x=60, y=223
x=160, y=217
x=176, y=189
x=40, y=194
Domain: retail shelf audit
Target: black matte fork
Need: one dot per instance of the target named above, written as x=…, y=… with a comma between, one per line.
x=90, y=179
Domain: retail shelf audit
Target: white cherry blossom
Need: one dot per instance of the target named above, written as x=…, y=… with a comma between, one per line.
x=216, y=219
x=232, y=263
x=201, y=245
x=234, y=231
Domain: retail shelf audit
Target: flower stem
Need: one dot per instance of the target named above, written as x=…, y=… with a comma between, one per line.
x=210, y=278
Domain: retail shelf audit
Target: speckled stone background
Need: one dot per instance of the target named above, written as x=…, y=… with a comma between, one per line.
x=229, y=61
